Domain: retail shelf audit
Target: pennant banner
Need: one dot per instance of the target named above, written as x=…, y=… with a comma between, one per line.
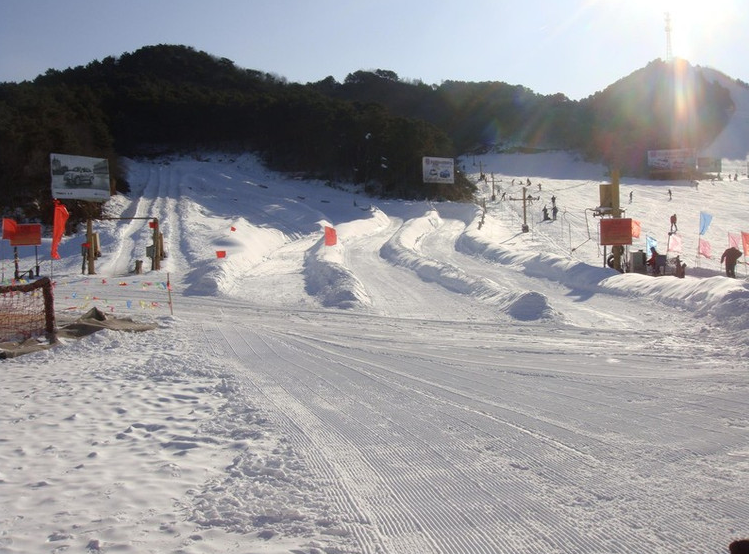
x=9, y=228
x=650, y=242
x=636, y=229
x=675, y=244
x=704, y=249
x=705, y=219
x=58, y=227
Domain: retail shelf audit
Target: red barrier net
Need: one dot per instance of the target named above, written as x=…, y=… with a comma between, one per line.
x=27, y=310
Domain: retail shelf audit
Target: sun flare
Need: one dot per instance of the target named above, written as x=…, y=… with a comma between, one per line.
x=692, y=21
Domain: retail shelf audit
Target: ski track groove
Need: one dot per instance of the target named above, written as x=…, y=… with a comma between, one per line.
x=434, y=518
x=344, y=391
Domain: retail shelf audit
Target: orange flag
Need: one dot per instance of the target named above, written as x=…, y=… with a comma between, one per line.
x=636, y=228
x=330, y=236
x=221, y=253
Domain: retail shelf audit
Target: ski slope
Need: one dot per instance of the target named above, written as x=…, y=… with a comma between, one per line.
x=425, y=385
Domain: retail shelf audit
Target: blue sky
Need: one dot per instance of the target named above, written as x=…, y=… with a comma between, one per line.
x=576, y=47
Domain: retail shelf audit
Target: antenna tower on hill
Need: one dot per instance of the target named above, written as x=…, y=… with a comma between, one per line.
x=669, y=53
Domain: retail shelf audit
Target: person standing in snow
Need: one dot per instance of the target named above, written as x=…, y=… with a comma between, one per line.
x=653, y=260
x=730, y=256
x=673, y=224
x=739, y=547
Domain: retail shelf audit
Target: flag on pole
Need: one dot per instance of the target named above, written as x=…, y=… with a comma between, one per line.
x=650, y=242
x=58, y=227
x=705, y=219
x=330, y=236
x=675, y=244
x=703, y=248
x=9, y=228
x=636, y=229
x=745, y=241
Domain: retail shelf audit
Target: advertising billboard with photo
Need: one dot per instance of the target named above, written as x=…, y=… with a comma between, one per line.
x=679, y=159
x=79, y=178
x=438, y=170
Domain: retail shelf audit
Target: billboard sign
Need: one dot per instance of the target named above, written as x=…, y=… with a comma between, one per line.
x=710, y=165
x=680, y=159
x=438, y=170
x=79, y=178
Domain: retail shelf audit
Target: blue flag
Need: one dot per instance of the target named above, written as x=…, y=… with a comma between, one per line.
x=650, y=242
x=705, y=219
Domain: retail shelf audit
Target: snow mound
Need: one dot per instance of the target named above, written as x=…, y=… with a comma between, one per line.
x=403, y=250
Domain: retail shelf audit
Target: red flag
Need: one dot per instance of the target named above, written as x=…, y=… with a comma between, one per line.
x=153, y=224
x=233, y=228
x=9, y=228
x=745, y=240
x=704, y=249
x=636, y=228
x=734, y=240
x=221, y=253
x=58, y=227
x=330, y=236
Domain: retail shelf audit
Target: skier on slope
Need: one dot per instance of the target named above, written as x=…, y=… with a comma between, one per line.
x=730, y=256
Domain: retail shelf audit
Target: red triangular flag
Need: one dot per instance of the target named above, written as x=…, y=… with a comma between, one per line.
x=703, y=248
x=330, y=236
x=636, y=229
x=9, y=228
x=58, y=227
x=745, y=242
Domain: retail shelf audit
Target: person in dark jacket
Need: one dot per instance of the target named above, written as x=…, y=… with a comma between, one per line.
x=730, y=257
x=653, y=260
x=739, y=547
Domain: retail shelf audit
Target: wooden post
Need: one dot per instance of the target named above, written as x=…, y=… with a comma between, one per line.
x=90, y=240
x=156, y=260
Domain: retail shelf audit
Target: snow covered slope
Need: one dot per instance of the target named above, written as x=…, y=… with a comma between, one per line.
x=435, y=382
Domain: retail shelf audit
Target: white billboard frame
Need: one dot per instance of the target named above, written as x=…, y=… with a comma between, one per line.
x=79, y=177
x=438, y=170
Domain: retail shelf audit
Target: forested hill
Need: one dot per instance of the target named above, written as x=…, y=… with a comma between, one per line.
x=373, y=128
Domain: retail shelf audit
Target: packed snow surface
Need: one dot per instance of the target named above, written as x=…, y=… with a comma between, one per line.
x=438, y=381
